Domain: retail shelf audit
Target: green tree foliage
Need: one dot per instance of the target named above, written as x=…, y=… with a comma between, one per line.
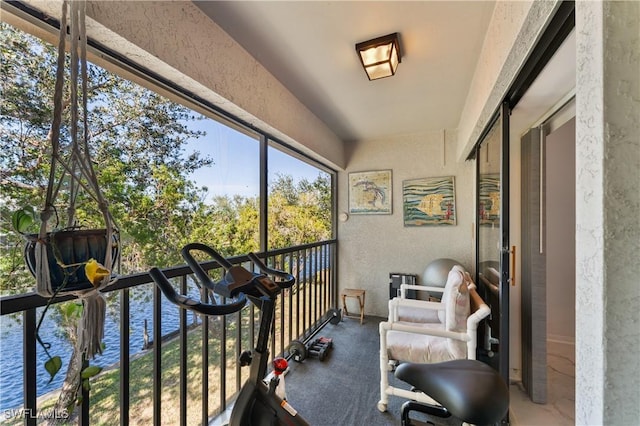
x=299, y=213
x=138, y=140
x=230, y=224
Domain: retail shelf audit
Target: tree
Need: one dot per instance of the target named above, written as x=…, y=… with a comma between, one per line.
x=299, y=213
x=137, y=138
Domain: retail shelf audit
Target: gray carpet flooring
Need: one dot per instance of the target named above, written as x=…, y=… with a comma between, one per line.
x=344, y=389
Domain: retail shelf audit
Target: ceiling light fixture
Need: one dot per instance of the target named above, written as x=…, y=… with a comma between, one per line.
x=380, y=57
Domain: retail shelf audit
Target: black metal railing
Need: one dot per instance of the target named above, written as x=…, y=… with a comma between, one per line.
x=207, y=352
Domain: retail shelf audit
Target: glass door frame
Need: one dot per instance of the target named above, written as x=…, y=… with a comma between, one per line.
x=559, y=27
x=501, y=116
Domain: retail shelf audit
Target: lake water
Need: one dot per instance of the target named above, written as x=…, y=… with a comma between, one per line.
x=11, y=343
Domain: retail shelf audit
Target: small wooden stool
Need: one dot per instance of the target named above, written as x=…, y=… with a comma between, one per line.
x=353, y=292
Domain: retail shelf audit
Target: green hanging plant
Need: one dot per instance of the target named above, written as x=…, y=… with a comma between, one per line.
x=24, y=220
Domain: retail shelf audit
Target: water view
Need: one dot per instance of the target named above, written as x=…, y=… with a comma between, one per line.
x=11, y=343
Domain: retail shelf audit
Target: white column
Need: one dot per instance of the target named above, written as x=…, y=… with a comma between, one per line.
x=608, y=213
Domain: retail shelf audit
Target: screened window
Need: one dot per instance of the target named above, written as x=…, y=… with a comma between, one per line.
x=172, y=174
x=299, y=208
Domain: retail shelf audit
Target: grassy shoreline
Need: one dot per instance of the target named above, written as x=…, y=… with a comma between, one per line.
x=105, y=388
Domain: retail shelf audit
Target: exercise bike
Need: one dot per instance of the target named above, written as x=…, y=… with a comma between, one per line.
x=469, y=390
x=258, y=403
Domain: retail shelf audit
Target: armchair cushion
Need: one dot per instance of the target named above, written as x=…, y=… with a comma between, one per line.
x=420, y=348
x=455, y=299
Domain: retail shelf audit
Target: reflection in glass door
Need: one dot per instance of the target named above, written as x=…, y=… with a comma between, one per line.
x=492, y=253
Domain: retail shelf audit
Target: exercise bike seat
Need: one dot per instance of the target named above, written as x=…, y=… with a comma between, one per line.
x=470, y=390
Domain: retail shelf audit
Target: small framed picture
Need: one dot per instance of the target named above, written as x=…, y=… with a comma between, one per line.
x=370, y=192
x=429, y=201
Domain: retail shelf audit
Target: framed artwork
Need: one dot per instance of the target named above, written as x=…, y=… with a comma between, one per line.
x=370, y=192
x=429, y=201
x=489, y=200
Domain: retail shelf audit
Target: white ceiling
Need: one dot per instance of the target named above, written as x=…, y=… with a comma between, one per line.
x=309, y=47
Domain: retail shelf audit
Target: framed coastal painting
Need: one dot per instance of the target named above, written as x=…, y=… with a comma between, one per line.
x=429, y=201
x=489, y=200
x=370, y=192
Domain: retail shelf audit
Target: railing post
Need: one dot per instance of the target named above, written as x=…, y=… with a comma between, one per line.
x=183, y=356
x=124, y=357
x=29, y=372
x=157, y=356
x=205, y=363
x=222, y=321
x=83, y=416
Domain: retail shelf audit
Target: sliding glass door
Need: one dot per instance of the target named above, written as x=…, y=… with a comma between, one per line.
x=492, y=239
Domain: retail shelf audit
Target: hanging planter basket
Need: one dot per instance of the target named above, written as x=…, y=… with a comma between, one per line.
x=67, y=252
x=73, y=260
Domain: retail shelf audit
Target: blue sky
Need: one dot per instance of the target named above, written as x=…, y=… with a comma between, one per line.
x=236, y=161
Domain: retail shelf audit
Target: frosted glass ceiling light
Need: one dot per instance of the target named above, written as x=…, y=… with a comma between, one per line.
x=380, y=57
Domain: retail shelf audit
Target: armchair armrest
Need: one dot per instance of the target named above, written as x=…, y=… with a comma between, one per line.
x=396, y=303
x=479, y=310
x=416, y=329
x=405, y=287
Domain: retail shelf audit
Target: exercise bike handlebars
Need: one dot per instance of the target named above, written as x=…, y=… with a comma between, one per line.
x=288, y=279
x=236, y=283
x=257, y=403
x=187, y=302
x=202, y=275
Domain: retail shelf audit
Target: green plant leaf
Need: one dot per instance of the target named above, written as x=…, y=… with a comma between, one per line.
x=71, y=310
x=90, y=371
x=52, y=366
x=23, y=219
x=86, y=385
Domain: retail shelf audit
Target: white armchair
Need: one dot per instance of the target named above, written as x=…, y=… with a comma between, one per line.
x=426, y=332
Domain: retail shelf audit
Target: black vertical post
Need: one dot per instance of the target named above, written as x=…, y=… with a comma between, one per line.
x=323, y=265
x=29, y=372
x=83, y=419
x=264, y=222
x=252, y=325
x=290, y=296
x=157, y=356
x=223, y=362
x=299, y=296
x=205, y=364
x=282, y=310
x=124, y=357
x=238, y=348
x=314, y=279
x=319, y=283
x=505, y=281
x=183, y=356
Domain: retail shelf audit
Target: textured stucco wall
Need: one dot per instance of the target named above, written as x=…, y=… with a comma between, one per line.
x=177, y=41
x=372, y=246
x=514, y=29
x=607, y=213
